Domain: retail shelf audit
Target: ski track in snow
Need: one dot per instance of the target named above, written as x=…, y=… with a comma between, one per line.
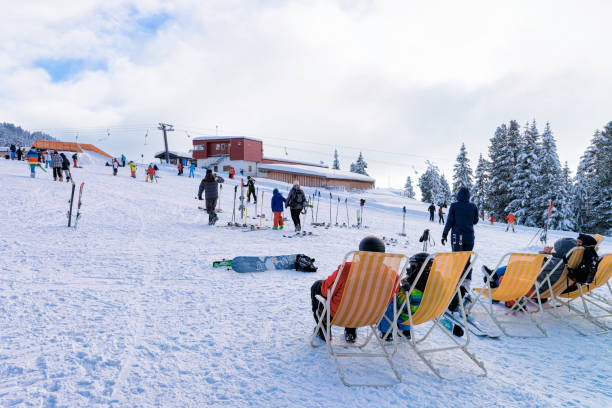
x=127, y=310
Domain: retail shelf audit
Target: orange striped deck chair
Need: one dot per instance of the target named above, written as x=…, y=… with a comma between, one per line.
x=372, y=281
x=448, y=271
x=521, y=276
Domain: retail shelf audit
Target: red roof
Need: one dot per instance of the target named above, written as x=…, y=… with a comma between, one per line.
x=68, y=147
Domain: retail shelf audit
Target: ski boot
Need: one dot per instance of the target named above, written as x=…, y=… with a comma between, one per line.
x=350, y=335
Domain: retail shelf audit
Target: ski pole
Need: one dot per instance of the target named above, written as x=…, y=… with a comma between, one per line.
x=261, y=213
x=403, y=234
x=337, y=208
x=330, y=208
x=318, y=201
x=348, y=221
x=234, y=210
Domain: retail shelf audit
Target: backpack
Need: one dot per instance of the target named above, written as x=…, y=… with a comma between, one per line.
x=305, y=263
x=585, y=272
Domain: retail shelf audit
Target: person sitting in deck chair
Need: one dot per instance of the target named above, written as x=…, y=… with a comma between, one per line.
x=322, y=287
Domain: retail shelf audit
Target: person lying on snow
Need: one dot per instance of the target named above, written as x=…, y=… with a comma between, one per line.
x=557, y=263
x=414, y=300
x=322, y=287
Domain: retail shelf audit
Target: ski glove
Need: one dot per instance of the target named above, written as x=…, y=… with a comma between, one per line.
x=443, y=241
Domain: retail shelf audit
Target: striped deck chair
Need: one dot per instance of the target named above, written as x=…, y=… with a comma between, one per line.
x=443, y=283
x=521, y=276
x=373, y=280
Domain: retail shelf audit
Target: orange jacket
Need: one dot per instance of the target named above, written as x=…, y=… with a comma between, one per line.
x=511, y=218
x=329, y=282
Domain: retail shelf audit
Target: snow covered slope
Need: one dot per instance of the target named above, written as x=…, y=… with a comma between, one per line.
x=126, y=310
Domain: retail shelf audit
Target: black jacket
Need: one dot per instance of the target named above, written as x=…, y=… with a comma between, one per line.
x=251, y=184
x=462, y=216
x=296, y=200
x=210, y=188
x=432, y=208
x=65, y=162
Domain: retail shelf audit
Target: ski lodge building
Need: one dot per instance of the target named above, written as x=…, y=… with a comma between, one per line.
x=245, y=155
x=69, y=147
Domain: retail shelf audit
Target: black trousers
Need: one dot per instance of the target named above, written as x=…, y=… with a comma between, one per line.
x=460, y=245
x=317, y=307
x=440, y=219
x=295, y=216
x=211, y=204
x=57, y=172
x=249, y=195
x=431, y=216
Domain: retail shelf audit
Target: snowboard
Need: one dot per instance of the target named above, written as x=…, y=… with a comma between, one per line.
x=244, y=264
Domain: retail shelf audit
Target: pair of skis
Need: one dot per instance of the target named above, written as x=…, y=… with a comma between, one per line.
x=474, y=327
x=71, y=201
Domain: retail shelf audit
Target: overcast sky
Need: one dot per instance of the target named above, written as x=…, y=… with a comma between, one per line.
x=405, y=81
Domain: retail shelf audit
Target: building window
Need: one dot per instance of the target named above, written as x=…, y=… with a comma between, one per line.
x=250, y=169
x=199, y=147
x=222, y=146
x=239, y=143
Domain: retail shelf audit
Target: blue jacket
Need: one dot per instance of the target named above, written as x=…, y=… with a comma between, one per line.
x=277, y=201
x=462, y=216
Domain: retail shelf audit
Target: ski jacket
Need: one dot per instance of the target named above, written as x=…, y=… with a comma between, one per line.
x=151, y=170
x=132, y=166
x=122, y=158
x=277, y=201
x=432, y=208
x=511, y=218
x=13, y=148
x=462, y=216
x=115, y=164
x=32, y=157
x=329, y=282
x=251, y=184
x=296, y=200
x=56, y=160
x=65, y=162
x=210, y=188
x=74, y=156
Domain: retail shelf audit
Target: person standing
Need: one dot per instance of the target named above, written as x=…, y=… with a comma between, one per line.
x=180, y=169
x=66, y=167
x=296, y=201
x=132, y=168
x=115, y=166
x=232, y=172
x=251, y=189
x=32, y=161
x=13, y=150
x=277, y=209
x=123, y=160
x=192, y=170
x=56, y=164
x=441, y=215
x=432, y=211
x=19, y=153
x=210, y=186
x=462, y=216
x=75, y=157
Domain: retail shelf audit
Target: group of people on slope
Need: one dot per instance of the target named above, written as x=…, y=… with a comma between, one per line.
x=295, y=201
x=441, y=213
x=59, y=162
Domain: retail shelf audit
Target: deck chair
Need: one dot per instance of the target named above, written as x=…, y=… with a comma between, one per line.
x=445, y=279
x=372, y=281
x=521, y=276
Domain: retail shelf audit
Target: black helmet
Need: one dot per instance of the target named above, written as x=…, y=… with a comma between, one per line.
x=372, y=244
x=416, y=262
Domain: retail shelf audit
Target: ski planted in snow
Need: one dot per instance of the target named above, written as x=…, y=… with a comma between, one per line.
x=70, y=202
x=78, y=211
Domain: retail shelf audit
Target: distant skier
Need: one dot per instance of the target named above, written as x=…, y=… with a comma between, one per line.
x=492, y=219
x=296, y=201
x=56, y=164
x=123, y=159
x=115, y=166
x=150, y=173
x=13, y=150
x=46, y=158
x=432, y=211
x=66, y=167
x=441, y=215
x=511, y=218
x=277, y=209
x=180, y=169
x=251, y=189
x=75, y=158
x=192, y=170
x=19, y=153
x=232, y=173
x=210, y=186
x=32, y=161
x=462, y=216
x=132, y=166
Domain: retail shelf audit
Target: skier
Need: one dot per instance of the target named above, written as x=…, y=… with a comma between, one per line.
x=123, y=159
x=75, y=157
x=492, y=219
x=13, y=150
x=323, y=287
x=210, y=186
x=115, y=166
x=192, y=170
x=510, y=218
x=132, y=166
x=150, y=173
x=277, y=208
x=232, y=173
x=56, y=164
x=251, y=189
x=296, y=201
x=33, y=161
x=19, y=153
x=441, y=214
x=66, y=167
x=46, y=158
x=180, y=169
x=432, y=210
x=462, y=216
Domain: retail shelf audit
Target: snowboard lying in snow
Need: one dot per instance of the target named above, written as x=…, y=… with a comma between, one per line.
x=259, y=263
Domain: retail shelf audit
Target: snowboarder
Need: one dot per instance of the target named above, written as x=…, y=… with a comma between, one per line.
x=511, y=218
x=323, y=287
x=192, y=170
x=296, y=201
x=180, y=169
x=441, y=214
x=462, y=216
x=66, y=167
x=33, y=161
x=132, y=166
x=115, y=166
x=56, y=164
x=13, y=150
x=432, y=210
x=75, y=157
x=251, y=189
x=210, y=186
x=277, y=208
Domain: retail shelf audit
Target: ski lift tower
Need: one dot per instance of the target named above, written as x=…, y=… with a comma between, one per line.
x=164, y=127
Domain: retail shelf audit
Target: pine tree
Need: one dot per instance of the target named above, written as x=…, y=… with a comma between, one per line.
x=566, y=211
x=447, y=197
x=336, y=165
x=499, y=172
x=584, y=187
x=479, y=189
x=601, y=201
x=360, y=166
x=462, y=176
x=429, y=183
x=408, y=190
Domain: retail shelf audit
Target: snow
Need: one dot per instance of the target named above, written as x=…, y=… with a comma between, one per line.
x=126, y=310
x=315, y=171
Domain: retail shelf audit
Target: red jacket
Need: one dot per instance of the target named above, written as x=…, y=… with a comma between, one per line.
x=511, y=218
x=329, y=282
